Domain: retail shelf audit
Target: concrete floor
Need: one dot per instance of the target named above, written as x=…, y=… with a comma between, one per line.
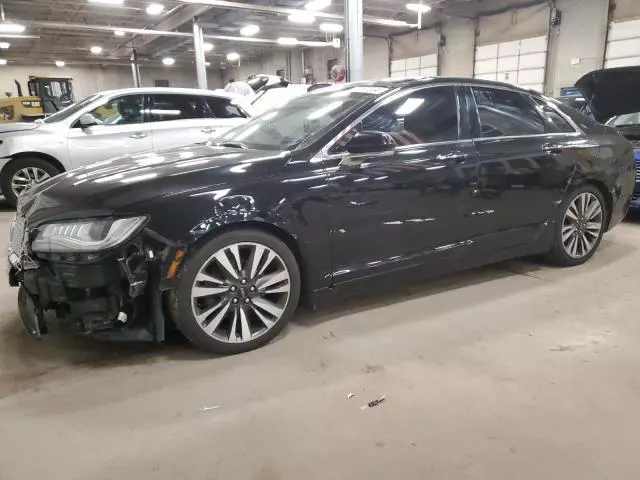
x=516, y=371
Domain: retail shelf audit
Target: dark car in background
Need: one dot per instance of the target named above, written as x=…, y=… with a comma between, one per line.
x=613, y=95
x=338, y=190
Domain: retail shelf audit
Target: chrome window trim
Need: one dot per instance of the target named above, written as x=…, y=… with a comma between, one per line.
x=535, y=135
x=323, y=154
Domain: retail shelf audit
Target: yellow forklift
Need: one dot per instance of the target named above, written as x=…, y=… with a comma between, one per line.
x=46, y=96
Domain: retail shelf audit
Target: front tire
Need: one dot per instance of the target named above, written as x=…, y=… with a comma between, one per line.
x=579, y=228
x=237, y=292
x=23, y=173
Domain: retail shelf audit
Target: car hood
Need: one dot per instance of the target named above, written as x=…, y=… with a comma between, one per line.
x=18, y=127
x=611, y=92
x=119, y=184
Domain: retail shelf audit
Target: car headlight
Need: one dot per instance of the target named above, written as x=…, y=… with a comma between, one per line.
x=85, y=235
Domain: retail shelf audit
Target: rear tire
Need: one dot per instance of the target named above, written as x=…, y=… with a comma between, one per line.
x=23, y=173
x=579, y=227
x=237, y=292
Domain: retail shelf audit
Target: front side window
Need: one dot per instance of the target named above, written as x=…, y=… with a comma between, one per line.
x=125, y=110
x=425, y=116
x=166, y=107
x=505, y=113
x=303, y=119
x=222, y=108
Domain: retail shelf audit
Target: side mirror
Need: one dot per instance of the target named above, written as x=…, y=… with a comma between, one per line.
x=87, y=120
x=371, y=142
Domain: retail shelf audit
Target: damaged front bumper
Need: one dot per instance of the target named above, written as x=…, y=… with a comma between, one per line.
x=118, y=296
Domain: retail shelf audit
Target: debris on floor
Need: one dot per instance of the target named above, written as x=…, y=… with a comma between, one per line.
x=350, y=396
x=209, y=408
x=374, y=403
x=328, y=336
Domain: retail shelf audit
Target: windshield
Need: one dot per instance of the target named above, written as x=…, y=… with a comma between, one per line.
x=288, y=126
x=71, y=109
x=626, y=120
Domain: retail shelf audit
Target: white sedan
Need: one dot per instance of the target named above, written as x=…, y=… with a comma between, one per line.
x=113, y=123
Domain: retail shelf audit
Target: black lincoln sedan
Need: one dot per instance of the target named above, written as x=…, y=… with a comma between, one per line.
x=381, y=181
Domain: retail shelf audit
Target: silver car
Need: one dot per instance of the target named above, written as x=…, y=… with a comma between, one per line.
x=109, y=124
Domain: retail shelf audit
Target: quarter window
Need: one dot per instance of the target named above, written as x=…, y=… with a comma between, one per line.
x=125, y=110
x=554, y=121
x=167, y=107
x=222, y=108
x=424, y=116
x=505, y=113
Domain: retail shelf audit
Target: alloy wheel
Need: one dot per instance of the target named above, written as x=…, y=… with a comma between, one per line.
x=240, y=292
x=582, y=225
x=26, y=178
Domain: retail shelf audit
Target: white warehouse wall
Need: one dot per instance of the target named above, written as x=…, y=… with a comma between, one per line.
x=577, y=46
x=89, y=80
x=456, y=56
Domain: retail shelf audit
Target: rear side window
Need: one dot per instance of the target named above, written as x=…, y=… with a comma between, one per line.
x=166, y=107
x=505, y=113
x=222, y=108
x=555, y=123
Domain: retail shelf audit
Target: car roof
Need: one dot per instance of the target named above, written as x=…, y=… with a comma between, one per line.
x=170, y=90
x=409, y=82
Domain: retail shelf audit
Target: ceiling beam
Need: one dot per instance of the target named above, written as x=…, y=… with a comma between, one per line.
x=282, y=10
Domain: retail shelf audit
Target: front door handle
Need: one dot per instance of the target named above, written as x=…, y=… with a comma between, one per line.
x=138, y=135
x=457, y=157
x=208, y=130
x=352, y=161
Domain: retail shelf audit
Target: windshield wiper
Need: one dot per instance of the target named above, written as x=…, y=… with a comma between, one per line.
x=233, y=145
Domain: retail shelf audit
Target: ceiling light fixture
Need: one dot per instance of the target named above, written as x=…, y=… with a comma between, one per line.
x=331, y=27
x=59, y=63
x=288, y=41
x=155, y=9
x=233, y=56
x=9, y=27
x=418, y=7
x=168, y=61
x=249, y=30
x=119, y=33
x=315, y=5
x=4, y=45
x=207, y=47
x=304, y=18
x=107, y=2
x=96, y=50
x=3, y=61
x=393, y=23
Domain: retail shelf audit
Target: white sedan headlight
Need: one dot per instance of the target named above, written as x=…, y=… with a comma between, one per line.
x=85, y=235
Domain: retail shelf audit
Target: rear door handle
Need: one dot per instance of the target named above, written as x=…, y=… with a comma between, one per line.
x=138, y=135
x=552, y=149
x=457, y=157
x=208, y=130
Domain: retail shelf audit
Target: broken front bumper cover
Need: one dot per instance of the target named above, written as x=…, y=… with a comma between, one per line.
x=103, y=300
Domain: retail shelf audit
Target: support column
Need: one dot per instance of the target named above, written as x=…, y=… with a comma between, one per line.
x=198, y=43
x=354, y=40
x=135, y=69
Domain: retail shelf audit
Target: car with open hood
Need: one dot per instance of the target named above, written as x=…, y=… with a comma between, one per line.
x=614, y=96
x=340, y=190
x=112, y=123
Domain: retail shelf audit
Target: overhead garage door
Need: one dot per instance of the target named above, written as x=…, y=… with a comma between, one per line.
x=521, y=62
x=424, y=66
x=623, y=44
